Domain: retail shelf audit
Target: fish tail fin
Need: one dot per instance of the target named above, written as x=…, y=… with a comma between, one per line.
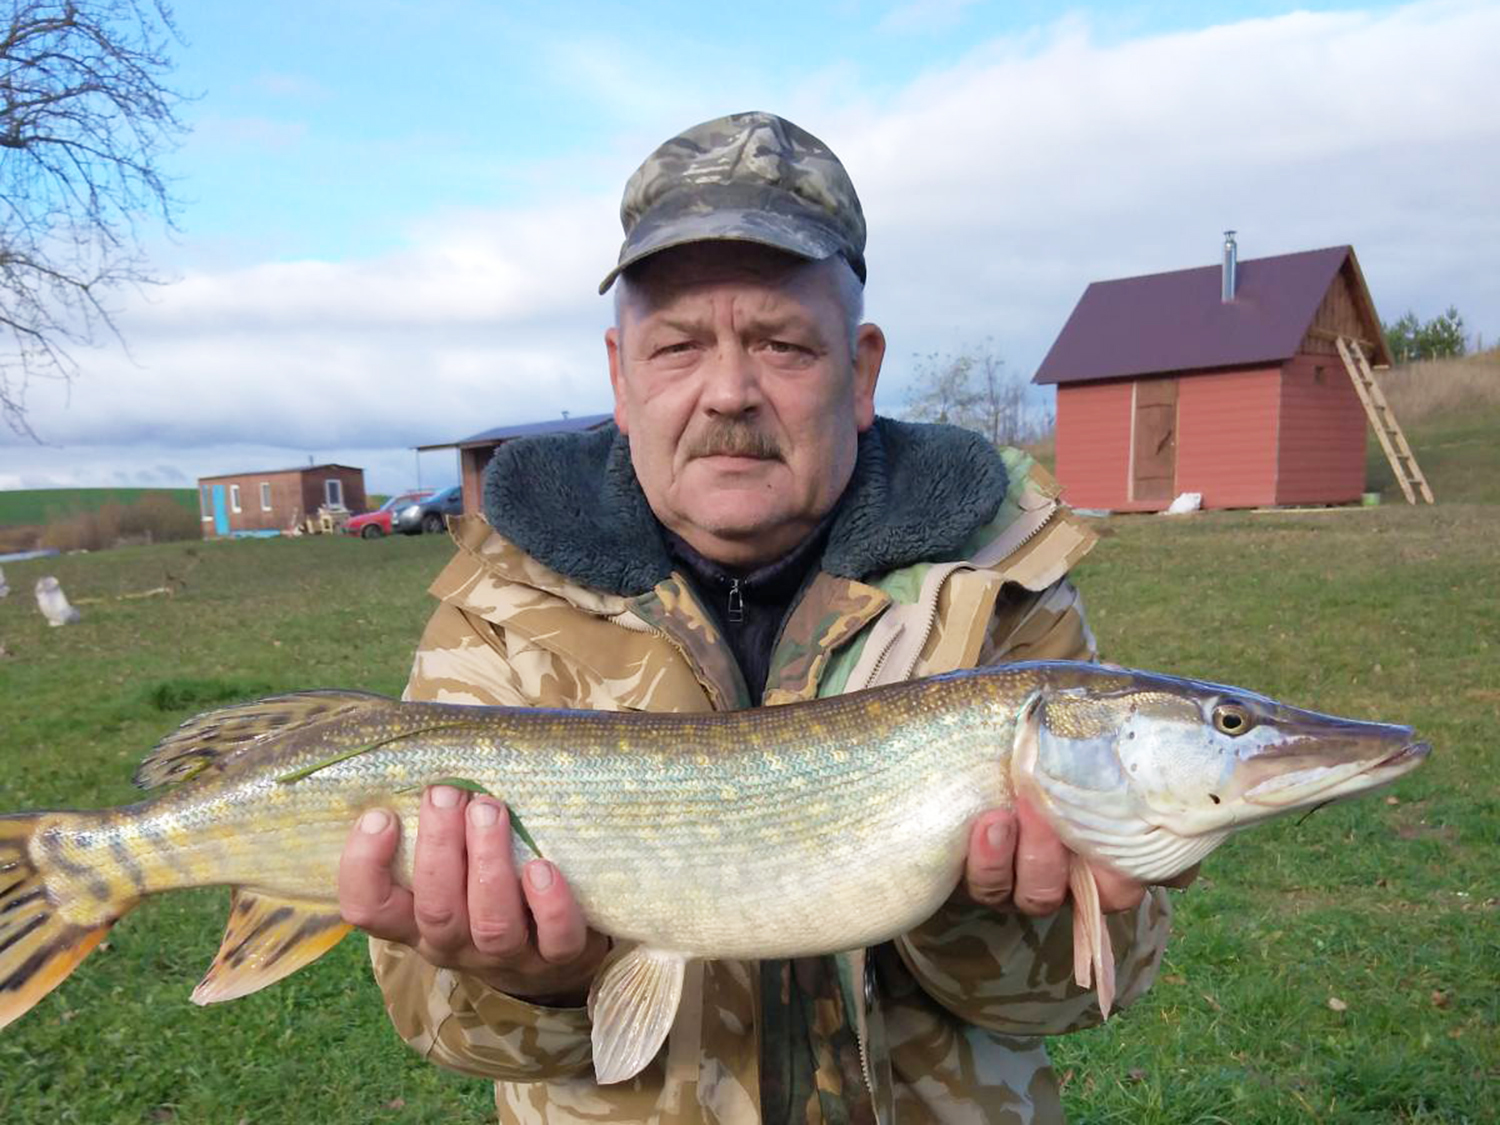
x=39, y=947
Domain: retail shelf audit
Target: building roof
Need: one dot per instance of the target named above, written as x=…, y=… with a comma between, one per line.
x=279, y=472
x=1177, y=321
x=526, y=429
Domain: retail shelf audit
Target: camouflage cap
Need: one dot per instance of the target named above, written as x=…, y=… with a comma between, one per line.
x=751, y=177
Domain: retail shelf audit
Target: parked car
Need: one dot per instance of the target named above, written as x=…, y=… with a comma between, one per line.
x=430, y=515
x=373, y=525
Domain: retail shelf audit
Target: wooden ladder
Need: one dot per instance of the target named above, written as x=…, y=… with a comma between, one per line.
x=1387, y=429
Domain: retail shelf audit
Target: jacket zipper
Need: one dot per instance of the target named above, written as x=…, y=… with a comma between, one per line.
x=736, y=602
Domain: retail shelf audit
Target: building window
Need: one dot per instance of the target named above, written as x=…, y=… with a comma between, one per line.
x=234, y=498
x=265, y=496
x=333, y=492
x=205, y=503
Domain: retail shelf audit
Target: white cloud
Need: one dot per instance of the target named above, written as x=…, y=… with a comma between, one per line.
x=995, y=189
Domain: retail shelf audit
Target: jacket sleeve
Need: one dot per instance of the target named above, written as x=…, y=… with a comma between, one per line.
x=1002, y=970
x=450, y=1018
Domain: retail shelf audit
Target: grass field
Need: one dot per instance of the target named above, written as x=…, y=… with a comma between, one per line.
x=38, y=505
x=1388, y=906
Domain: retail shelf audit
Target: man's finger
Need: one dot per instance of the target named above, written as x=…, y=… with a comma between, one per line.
x=1041, y=864
x=368, y=897
x=561, y=934
x=498, y=924
x=439, y=880
x=990, y=870
x=1116, y=891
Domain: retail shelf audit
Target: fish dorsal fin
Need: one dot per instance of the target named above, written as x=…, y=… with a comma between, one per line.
x=267, y=938
x=209, y=739
x=632, y=1004
x=1093, y=959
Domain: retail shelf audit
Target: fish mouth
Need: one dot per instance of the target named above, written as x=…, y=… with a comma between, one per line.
x=1409, y=754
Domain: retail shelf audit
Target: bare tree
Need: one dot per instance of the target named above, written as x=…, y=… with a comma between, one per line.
x=972, y=388
x=85, y=116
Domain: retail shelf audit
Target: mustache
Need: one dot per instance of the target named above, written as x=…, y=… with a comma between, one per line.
x=735, y=439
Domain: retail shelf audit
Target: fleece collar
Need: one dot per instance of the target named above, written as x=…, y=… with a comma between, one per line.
x=572, y=502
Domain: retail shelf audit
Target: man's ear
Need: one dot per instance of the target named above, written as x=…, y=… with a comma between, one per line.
x=617, y=377
x=869, y=354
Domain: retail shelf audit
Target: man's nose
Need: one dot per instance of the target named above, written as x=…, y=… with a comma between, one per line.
x=731, y=384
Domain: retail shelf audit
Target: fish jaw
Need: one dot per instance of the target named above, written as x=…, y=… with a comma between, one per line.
x=1143, y=776
x=1321, y=783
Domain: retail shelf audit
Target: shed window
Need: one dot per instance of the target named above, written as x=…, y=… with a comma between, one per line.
x=333, y=491
x=234, y=498
x=265, y=496
x=205, y=503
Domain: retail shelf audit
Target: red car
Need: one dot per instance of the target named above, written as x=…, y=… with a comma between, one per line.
x=373, y=525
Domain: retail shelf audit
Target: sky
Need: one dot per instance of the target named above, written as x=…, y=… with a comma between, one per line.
x=395, y=213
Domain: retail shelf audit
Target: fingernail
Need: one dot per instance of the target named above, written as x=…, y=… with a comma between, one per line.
x=994, y=835
x=443, y=796
x=539, y=874
x=375, y=822
x=482, y=814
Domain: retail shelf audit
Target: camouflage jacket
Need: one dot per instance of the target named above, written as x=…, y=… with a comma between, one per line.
x=943, y=1024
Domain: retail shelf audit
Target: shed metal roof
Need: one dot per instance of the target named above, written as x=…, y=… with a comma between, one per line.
x=282, y=472
x=1177, y=321
x=526, y=429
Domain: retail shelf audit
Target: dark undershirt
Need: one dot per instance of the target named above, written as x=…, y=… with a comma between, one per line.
x=749, y=606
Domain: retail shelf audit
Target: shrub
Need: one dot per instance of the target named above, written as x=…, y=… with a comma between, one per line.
x=154, y=518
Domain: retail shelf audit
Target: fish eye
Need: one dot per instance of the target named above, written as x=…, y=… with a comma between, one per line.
x=1232, y=719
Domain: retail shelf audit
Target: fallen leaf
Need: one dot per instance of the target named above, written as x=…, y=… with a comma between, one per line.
x=1212, y=1003
x=1393, y=800
x=1135, y=1074
x=1440, y=999
x=396, y=1103
x=1337, y=1005
x=1173, y=978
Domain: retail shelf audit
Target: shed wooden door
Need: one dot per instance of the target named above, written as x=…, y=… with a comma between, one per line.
x=1153, y=440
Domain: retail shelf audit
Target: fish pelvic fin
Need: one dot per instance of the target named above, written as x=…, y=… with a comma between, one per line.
x=633, y=1003
x=209, y=740
x=267, y=938
x=1093, y=958
x=39, y=947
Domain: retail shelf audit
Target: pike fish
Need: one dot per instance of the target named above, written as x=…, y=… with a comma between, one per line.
x=788, y=831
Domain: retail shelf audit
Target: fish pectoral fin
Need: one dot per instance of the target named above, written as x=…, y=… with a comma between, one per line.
x=267, y=938
x=632, y=1004
x=1093, y=959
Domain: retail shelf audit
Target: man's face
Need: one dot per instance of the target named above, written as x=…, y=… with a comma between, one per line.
x=734, y=380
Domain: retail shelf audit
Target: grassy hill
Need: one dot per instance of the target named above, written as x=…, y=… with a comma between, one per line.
x=39, y=505
x=1450, y=411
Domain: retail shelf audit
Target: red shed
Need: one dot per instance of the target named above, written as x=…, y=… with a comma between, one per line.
x=235, y=504
x=1224, y=380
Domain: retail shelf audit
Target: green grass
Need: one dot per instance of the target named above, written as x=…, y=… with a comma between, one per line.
x=1456, y=452
x=38, y=505
x=1387, y=904
x=1390, y=613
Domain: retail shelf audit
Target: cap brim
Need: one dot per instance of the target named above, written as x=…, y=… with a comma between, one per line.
x=796, y=233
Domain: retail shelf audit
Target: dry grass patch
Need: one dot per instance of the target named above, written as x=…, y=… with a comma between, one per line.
x=1419, y=391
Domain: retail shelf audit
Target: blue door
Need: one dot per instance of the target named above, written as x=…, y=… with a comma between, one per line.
x=221, y=513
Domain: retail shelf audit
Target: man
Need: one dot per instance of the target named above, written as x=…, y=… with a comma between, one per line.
x=749, y=534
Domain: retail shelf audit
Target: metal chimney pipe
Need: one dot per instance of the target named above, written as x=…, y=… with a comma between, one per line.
x=1231, y=263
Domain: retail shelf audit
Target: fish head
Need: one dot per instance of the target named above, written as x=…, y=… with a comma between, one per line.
x=1150, y=773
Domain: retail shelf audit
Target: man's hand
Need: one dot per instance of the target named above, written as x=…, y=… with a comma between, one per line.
x=1016, y=859
x=467, y=909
